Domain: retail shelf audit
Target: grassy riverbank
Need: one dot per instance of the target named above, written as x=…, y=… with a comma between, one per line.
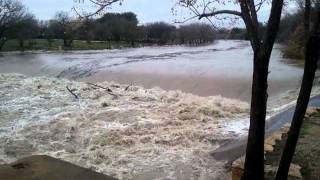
x=308, y=153
x=57, y=44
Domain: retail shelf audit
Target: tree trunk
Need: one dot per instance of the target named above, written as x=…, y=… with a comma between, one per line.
x=255, y=146
x=65, y=44
x=254, y=164
x=307, y=15
x=2, y=42
x=21, y=43
x=311, y=61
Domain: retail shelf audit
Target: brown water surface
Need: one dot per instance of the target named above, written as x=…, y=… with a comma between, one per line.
x=223, y=68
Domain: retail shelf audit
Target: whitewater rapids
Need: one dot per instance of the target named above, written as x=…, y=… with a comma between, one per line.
x=129, y=133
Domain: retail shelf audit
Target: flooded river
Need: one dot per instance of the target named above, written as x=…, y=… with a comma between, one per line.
x=135, y=132
x=223, y=68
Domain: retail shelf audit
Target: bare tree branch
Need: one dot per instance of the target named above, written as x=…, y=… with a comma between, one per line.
x=259, y=5
x=231, y=12
x=101, y=5
x=186, y=20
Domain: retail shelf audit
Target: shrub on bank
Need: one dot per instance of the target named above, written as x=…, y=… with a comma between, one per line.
x=295, y=47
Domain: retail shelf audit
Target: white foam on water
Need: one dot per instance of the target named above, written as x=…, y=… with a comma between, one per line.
x=126, y=135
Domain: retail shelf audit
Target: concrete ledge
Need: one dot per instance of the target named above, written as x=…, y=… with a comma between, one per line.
x=47, y=168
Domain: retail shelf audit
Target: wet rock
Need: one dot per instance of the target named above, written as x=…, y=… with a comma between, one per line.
x=270, y=171
x=295, y=171
x=271, y=140
x=311, y=111
x=268, y=148
x=237, y=168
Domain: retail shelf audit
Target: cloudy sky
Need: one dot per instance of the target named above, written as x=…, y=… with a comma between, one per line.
x=147, y=10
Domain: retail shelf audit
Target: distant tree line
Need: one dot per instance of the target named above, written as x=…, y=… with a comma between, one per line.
x=234, y=33
x=124, y=27
x=15, y=22
x=18, y=24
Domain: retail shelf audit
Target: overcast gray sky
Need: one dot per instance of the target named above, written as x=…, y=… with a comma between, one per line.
x=147, y=10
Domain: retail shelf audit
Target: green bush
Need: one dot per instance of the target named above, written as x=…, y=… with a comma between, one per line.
x=295, y=47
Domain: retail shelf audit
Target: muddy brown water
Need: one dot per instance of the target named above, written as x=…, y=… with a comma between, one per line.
x=222, y=68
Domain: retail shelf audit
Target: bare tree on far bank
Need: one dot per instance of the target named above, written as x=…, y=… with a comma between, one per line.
x=63, y=26
x=155, y=33
x=11, y=12
x=20, y=30
x=196, y=33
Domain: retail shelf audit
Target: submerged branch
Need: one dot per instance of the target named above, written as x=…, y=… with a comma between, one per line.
x=96, y=85
x=71, y=91
x=105, y=88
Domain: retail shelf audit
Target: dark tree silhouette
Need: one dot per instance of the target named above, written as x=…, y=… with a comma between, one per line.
x=118, y=26
x=195, y=34
x=159, y=31
x=11, y=11
x=26, y=28
x=311, y=60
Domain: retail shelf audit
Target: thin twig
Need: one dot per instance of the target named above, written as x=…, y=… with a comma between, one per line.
x=100, y=7
x=186, y=20
x=71, y=91
x=127, y=88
